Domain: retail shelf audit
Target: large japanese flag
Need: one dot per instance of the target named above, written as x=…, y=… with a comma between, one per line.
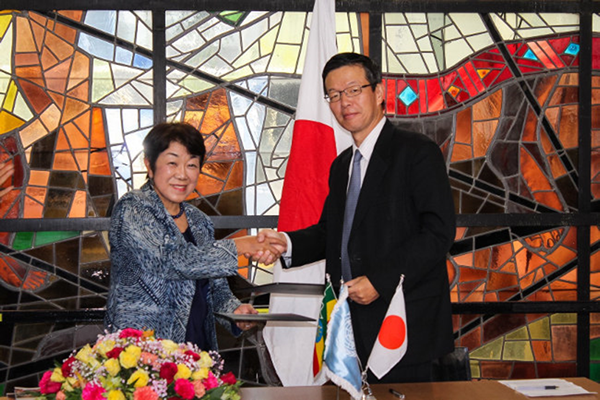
x=317, y=139
x=391, y=343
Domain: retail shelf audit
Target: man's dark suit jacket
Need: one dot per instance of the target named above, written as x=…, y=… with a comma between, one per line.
x=404, y=224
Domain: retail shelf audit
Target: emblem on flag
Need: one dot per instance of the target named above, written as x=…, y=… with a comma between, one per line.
x=341, y=360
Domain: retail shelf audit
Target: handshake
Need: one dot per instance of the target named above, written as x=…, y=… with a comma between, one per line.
x=266, y=247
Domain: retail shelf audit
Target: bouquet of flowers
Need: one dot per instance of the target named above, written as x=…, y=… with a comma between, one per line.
x=134, y=365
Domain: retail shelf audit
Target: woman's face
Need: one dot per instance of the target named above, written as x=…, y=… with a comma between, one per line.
x=175, y=175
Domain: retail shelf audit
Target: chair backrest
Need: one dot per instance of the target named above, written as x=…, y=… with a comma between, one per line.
x=454, y=366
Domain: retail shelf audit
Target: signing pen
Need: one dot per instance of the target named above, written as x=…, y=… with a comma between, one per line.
x=547, y=387
x=397, y=394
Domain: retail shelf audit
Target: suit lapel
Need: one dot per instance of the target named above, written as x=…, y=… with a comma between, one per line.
x=378, y=165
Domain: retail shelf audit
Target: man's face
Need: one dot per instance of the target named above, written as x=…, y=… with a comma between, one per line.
x=358, y=114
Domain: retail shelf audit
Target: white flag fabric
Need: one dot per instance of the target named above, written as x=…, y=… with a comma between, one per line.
x=391, y=343
x=340, y=359
x=316, y=141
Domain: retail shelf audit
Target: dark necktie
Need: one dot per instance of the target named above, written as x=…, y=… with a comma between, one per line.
x=351, y=200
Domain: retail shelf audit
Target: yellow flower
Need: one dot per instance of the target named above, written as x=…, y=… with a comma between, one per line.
x=135, y=350
x=85, y=354
x=183, y=372
x=115, y=395
x=112, y=366
x=129, y=358
x=169, y=345
x=57, y=375
x=205, y=360
x=200, y=374
x=105, y=346
x=139, y=378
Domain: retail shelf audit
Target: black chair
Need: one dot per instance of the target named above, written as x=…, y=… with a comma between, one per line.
x=454, y=366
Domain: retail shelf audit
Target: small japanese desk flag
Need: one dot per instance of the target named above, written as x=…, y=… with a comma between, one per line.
x=391, y=343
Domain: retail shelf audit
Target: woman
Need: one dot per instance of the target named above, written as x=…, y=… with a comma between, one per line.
x=168, y=272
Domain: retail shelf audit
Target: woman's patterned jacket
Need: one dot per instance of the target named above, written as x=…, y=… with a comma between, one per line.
x=154, y=268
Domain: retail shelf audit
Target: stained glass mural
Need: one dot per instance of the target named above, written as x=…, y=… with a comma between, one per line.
x=497, y=92
x=514, y=265
x=521, y=346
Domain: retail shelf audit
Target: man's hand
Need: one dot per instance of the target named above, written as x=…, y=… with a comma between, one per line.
x=245, y=309
x=274, y=238
x=361, y=291
x=263, y=252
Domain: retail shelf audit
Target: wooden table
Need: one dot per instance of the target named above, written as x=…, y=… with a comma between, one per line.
x=475, y=390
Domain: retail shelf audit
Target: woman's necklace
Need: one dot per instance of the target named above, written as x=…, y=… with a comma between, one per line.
x=179, y=214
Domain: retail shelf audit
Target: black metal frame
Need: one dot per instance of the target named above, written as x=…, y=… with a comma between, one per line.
x=588, y=213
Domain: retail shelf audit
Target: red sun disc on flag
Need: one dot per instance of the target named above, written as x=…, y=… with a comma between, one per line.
x=393, y=332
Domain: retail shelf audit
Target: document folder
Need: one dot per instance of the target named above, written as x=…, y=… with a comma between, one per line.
x=286, y=288
x=265, y=317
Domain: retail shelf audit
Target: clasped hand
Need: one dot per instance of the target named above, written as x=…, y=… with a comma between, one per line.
x=265, y=248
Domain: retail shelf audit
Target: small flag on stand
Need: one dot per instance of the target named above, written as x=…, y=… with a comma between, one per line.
x=391, y=343
x=341, y=361
x=327, y=305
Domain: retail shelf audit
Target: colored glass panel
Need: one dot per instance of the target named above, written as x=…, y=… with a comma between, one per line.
x=516, y=346
x=42, y=238
x=536, y=267
x=408, y=96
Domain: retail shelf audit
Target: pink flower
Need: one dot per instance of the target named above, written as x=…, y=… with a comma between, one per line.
x=67, y=367
x=93, y=392
x=61, y=395
x=185, y=389
x=47, y=386
x=229, y=378
x=130, y=332
x=168, y=371
x=199, y=389
x=210, y=382
x=145, y=393
x=114, y=353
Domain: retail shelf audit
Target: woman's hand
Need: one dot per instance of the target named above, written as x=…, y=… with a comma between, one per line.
x=245, y=309
x=266, y=252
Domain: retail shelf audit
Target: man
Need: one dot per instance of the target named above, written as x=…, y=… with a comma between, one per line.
x=403, y=222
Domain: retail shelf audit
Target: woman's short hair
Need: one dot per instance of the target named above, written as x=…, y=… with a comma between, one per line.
x=162, y=135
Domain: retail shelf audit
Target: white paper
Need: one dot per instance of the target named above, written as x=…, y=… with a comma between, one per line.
x=545, y=387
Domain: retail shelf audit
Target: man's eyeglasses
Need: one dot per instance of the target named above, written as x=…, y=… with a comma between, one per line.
x=352, y=91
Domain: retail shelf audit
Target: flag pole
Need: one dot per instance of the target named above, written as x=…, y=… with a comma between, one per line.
x=366, y=388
